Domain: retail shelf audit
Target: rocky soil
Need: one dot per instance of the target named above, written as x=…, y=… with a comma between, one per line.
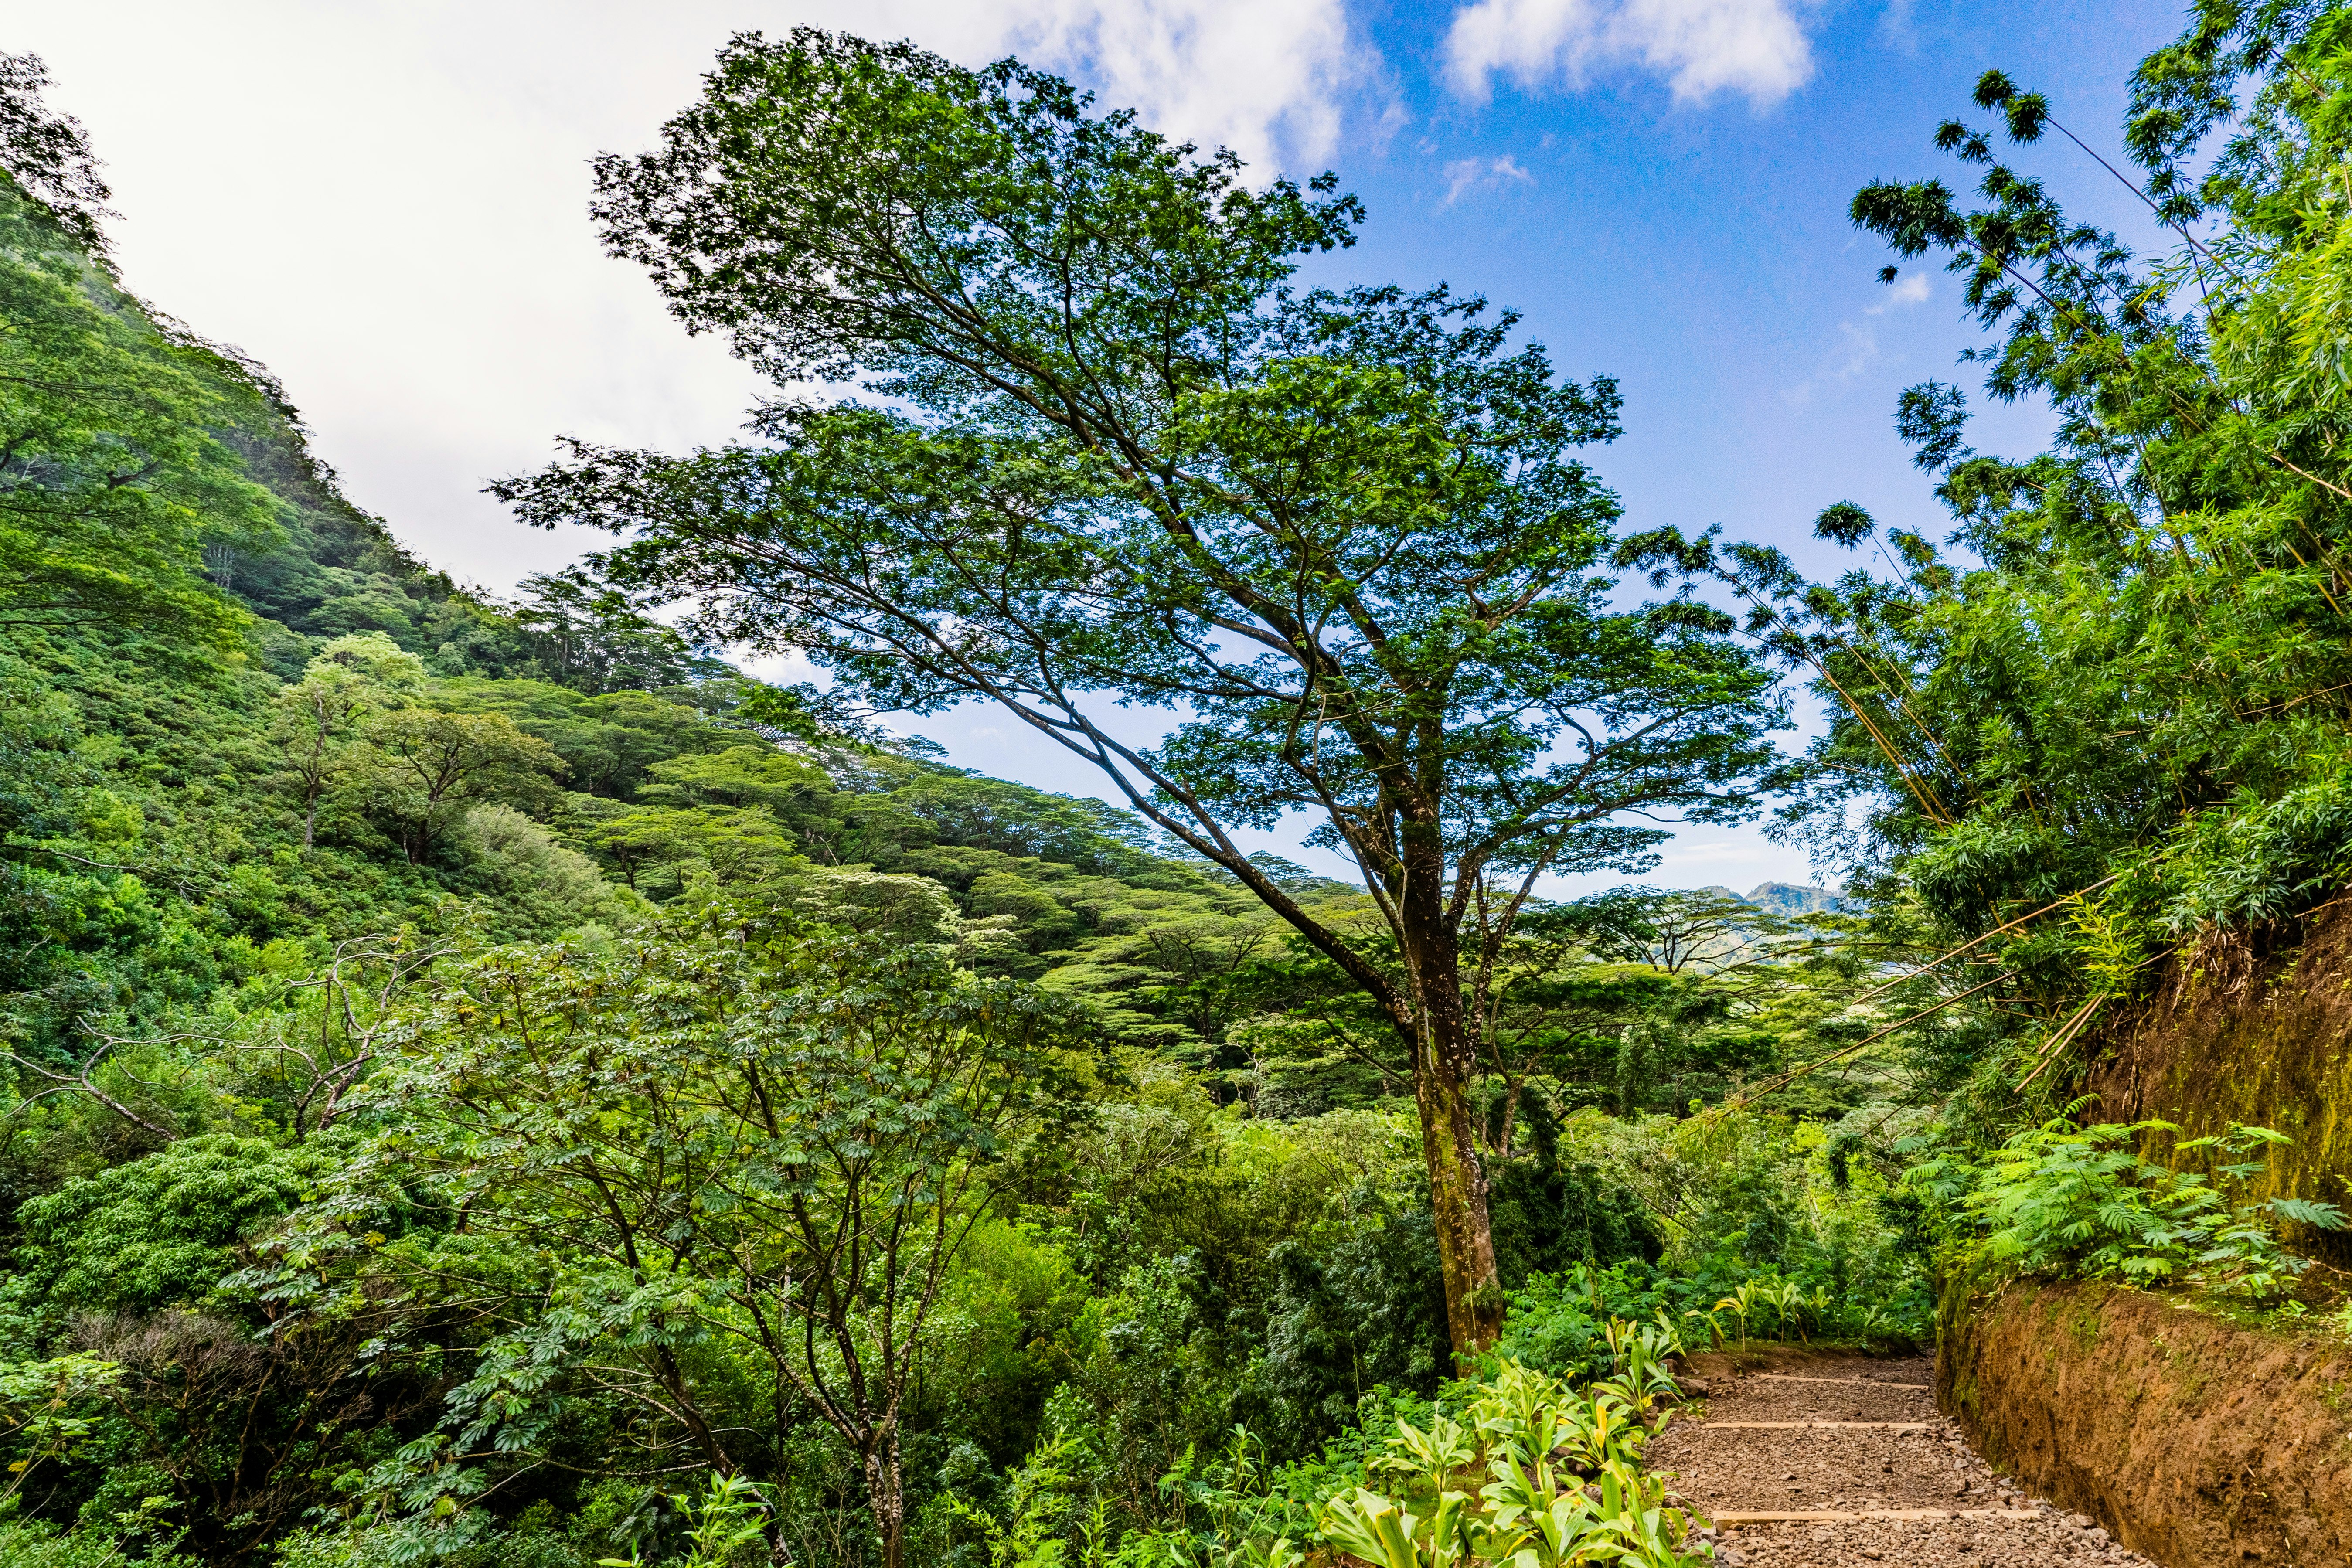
x=1826, y=1462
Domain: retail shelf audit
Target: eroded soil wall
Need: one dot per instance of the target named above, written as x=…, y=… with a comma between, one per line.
x=2253, y=1028
x=2194, y=1441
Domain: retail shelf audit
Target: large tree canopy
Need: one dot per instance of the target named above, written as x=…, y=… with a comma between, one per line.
x=1342, y=539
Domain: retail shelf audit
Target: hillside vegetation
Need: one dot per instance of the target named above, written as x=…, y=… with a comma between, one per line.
x=489, y=1082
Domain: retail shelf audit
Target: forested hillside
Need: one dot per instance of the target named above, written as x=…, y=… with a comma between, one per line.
x=489, y=1082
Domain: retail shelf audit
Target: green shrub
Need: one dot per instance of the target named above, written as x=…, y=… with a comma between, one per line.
x=1559, y=1323
x=2257, y=859
x=1516, y=1468
x=2083, y=1202
x=137, y=1536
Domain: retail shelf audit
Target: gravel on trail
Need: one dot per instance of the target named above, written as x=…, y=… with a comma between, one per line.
x=1858, y=1440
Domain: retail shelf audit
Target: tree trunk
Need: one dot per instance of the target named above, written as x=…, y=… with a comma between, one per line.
x=314, y=782
x=884, y=1493
x=1444, y=1065
x=1457, y=1181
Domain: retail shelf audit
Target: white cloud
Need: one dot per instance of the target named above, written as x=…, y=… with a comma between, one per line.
x=790, y=669
x=1911, y=289
x=386, y=201
x=1855, y=352
x=1855, y=349
x=1702, y=46
x=1466, y=174
x=1896, y=27
x=1263, y=77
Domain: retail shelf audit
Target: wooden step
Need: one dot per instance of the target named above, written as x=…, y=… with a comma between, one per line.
x=1857, y=1382
x=1863, y=1516
x=1816, y=1425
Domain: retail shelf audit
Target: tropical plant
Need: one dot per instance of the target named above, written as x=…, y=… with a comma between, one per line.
x=728, y=1517
x=1639, y=1353
x=45, y=1411
x=2091, y=1201
x=1538, y=1441
x=1742, y=1304
x=1788, y=1303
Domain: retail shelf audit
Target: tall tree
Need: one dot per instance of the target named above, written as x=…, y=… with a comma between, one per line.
x=429, y=769
x=1343, y=538
x=320, y=719
x=587, y=635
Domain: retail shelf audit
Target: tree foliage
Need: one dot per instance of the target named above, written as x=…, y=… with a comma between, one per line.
x=1343, y=538
x=50, y=157
x=112, y=482
x=483, y=1081
x=729, y=1150
x=2105, y=719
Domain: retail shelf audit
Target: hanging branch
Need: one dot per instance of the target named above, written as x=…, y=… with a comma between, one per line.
x=1792, y=1075
x=1978, y=940
x=83, y=1080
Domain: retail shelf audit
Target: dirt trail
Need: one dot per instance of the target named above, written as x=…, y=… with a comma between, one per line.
x=1857, y=1444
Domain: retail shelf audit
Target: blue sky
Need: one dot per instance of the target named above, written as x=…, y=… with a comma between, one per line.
x=382, y=200
x=1700, y=252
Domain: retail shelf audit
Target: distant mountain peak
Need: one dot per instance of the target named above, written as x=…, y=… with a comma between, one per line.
x=1788, y=899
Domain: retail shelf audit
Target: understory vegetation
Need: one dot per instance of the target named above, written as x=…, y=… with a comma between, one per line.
x=488, y=1082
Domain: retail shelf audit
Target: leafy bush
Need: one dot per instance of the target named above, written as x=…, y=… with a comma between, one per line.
x=1517, y=1467
x=1558, y=1323
x=2255, y=860
x=1756, y=1197
x=1562, y=1323
x=724, y=1523
x=140, y=1533
x=2085, y=1202
x=163, y=1228
x=26, y=1544
x=1537, y=1438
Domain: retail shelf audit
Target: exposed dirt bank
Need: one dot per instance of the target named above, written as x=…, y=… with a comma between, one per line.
x=2195, y=1442
x=2253, y=1028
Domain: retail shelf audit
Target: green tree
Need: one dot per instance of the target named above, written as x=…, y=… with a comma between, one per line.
x=738, y=1150
x=2111, y=715
x=606, y=741
x=321, y=719
x=207, y=1408
x=1704, y=929
x=110, y=481
x=111, y=478
x=427, y=769
x=587, y=635
x=50, y=155
x=1343, y=537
